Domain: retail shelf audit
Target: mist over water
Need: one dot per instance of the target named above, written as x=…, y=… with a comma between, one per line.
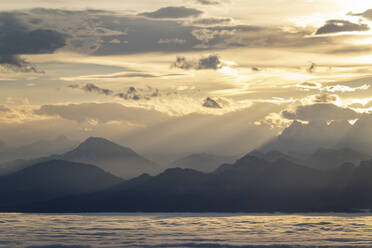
x=185, y=230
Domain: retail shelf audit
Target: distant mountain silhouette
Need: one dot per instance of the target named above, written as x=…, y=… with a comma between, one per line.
x=322, y=159
x=252, y=184
x=275, y=155
x=202, y=162
x=119, y=160
x=52, y=179
x=325, y=159
x=37, y=149
x=3, y=146
x=19, y=164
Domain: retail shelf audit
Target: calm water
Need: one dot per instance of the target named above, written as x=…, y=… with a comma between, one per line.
x=185, y=230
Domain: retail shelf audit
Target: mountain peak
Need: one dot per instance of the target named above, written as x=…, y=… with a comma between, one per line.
x=101, y=146
x=97, y=140
x=119, y=160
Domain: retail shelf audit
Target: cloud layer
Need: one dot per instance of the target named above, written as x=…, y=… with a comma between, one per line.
x=173, y=12
x=337, y=26
x=17, y=38
x=321, y=111
x=211, y=62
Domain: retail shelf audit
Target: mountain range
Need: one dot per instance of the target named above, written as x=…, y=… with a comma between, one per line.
x=118, y=160
x=51, y=179
x=101, y=176
x=40, y=148
x=202, y=162
x=251, y=184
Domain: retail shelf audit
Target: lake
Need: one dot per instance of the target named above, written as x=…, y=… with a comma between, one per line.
x=185, y=230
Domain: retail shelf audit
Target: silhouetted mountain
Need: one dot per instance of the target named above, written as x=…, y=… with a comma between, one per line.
x=3, y=146
x=252, y=184
x=111, y=157
x=326, y=159
x=19, y=164
x=358, y=193
x=52, y=179
x=41, y=148
x=120, y=161
x=274, y=156
x=202, y=162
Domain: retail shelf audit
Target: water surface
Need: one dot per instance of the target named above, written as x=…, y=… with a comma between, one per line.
x=185, y=230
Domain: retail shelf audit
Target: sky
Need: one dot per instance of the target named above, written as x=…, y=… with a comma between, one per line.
x=219, y=76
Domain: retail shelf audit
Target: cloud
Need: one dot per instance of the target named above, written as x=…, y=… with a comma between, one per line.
x=150, y=130
x=208, y=2
x=337, y=26
x=171, y=41
x=325, y=98
x=93, y=32
x=17, y=38
x=321, y=111
x=131, y=94
x=96, y=89
x=211, y=62
x=118, y=75
x=139, y=94
x=351, y=49
x=92, y=88
x=360, y=105
x=4, y=109
x=212, y=21
x=102, y=112
x=309, y=85
x=367, y=14
x=344, y=88
x=173, y=12
x=210, y=103
x=16, y=64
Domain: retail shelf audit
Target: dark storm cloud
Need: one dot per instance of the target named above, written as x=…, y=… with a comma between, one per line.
x=210, y=103
x=321, y=111
x=337, y=26
x=17, y=64
x=17, y=38
x=173, y=12
x=367, y=14
x=211, y=62
x=109, y=33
